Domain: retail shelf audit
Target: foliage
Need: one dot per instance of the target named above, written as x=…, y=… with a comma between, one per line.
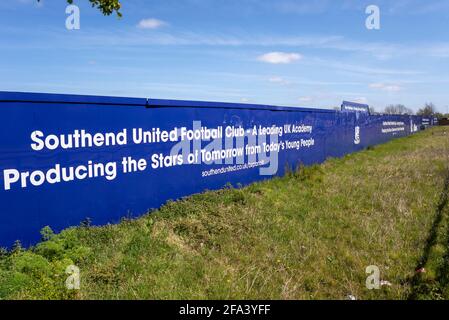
x=39, y=273
x=428, y=110
x=107, y=7
x=440, y=115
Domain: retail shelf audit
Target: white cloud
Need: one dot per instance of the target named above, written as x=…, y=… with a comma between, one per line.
x=151, y=23
x=279, y=80
x=305, y=99
x=386, y=87
x=360, y=100
x=279, y=57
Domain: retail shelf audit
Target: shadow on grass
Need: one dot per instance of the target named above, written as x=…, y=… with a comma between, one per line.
x=419, y=286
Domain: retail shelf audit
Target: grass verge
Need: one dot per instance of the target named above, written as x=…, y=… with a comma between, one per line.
x=308, y=235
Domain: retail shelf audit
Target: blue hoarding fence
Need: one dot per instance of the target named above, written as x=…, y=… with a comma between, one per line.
x=65, y=157
x=429, y=121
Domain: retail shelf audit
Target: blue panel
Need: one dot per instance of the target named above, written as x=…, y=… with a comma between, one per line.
x=314, y=136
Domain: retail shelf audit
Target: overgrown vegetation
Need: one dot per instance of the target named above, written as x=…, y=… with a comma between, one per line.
x=309, y=235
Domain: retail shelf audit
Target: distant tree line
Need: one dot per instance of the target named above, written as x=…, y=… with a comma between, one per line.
x=397, y=109
x=428, y=110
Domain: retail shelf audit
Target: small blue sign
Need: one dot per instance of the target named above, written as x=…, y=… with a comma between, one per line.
x=354, y=107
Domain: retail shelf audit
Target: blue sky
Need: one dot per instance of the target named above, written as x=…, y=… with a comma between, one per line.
x=283, y=52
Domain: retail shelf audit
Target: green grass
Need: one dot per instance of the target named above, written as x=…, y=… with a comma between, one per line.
x=309, y=235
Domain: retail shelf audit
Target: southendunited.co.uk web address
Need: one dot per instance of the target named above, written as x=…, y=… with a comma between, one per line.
x=228, y=169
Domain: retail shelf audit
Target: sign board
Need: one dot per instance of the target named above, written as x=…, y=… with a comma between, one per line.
x=354, y=107
x=65, y=158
